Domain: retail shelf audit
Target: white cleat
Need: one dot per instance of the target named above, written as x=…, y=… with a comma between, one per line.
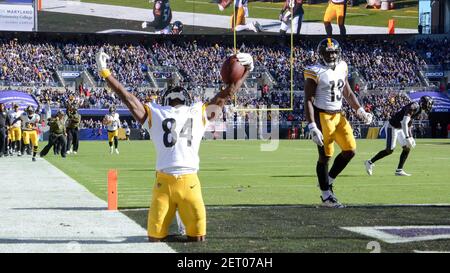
x=331, y=202
x=111, y=150
x=144, y=25
x=117, y=151
x=401, y=172
x=74, y=153
x=369, y=167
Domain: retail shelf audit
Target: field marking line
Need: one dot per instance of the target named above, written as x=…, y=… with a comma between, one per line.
x=54, y=212
x=362, y=206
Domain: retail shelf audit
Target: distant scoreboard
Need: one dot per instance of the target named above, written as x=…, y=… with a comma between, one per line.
x=18, y=15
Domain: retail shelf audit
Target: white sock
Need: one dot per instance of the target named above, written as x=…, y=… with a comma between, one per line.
x=241, y=27
x=326, y=194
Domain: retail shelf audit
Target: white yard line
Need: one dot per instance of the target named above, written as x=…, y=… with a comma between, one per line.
x=44, y=210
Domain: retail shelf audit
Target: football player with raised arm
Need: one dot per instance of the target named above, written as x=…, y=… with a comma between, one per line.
x=399, y=128
x=112, y=122
x=176, y=128
x=326, y=84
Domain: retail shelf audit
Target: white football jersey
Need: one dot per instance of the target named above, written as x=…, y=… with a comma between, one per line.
x=16, y=115
x=115, y=124
x=176, y=134
x=339, y=1
x=34, y=119
x=330, y=85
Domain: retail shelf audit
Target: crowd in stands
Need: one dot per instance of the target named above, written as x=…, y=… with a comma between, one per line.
x=383, y=64
x=380, y=63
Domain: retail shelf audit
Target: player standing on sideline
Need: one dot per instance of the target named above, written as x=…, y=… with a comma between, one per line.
x=57, y=134
x=241, y=12
x=297, y=14
x=30, y=134
x=399, y=127
x=176, y=127
x=162, y=15
x=335, y=9
x=4, y=123
x=16, y=129
x=73, y=125
x=326, y=83
x=112, y=122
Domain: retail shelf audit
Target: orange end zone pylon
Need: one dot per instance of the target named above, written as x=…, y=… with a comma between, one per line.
x=391, y=26
x=112, y=190
x=39, y=7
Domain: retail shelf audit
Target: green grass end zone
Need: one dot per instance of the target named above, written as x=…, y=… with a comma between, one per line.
x=237, y=172
x=267, y=201
x=405, y=14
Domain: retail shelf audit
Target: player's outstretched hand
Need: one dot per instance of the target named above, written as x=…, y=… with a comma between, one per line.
x=246, y=60
x=101, y=58
x=144, y=25
x=221, y=8
x=364, y=116
x=315, y=133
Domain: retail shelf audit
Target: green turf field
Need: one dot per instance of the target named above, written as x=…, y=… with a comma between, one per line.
x=266, y=201
x=237, y=172
x=405, y=14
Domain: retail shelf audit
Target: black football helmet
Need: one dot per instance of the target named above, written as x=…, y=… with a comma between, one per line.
x=30, y=110
x=426, y=103
x=177, y=27
x=112, y=109
x=176, y=92
x=329, y=52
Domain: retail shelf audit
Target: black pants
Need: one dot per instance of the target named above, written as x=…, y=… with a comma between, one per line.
x=3, y=141
x=73, y=139
x=55, y=140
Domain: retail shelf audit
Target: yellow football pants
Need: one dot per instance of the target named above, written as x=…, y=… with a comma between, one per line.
x=176, y=191
x=335, y=11
x=31, y=136
x=335, y=127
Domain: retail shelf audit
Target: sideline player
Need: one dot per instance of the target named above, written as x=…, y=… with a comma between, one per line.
x=30, y=133
x=162, y=14
x=335, y=9
x=112, y=122
x=241, y=12
x=176, y=128
x=326, y=83
x=16, y=129
x=297, y=16
x=73, y=128
x=399, y=128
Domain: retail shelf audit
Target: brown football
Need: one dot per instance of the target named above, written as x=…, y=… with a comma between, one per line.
x=232, y=70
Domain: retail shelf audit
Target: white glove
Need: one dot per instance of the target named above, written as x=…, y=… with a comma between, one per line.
x=364, y=116
x=101, y=58
x=221, y=8
x=144, y=25
x=410, y=142
x=246, y=60
x=315, y=133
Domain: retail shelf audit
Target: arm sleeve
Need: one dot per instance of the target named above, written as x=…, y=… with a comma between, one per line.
x=311, y=74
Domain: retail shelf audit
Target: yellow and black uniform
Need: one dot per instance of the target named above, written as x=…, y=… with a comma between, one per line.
x=176, y=133
x=15, y=130
x=30, y=133
x=328, y=112
x=112, y=125
x=335, y=9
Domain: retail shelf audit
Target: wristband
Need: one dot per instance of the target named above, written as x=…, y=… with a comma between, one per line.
x=105, y=73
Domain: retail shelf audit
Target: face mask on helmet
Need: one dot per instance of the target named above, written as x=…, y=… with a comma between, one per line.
x=426, y=103
x=329, y=52
x=176, y=93
x=30, y=110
